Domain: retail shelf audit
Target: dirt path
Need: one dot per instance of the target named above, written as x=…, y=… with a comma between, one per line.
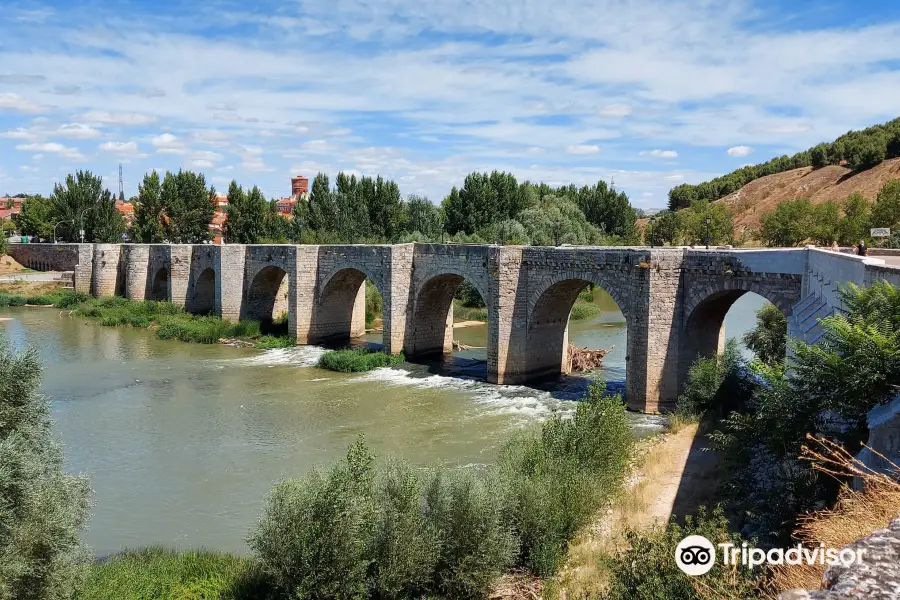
x=674, y=475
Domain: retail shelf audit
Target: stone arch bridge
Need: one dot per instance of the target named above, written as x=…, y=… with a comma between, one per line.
x=674, y=299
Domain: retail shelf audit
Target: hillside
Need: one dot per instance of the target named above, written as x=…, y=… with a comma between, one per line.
x=831, y=182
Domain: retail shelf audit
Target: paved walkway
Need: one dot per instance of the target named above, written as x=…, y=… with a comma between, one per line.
x=36, y=277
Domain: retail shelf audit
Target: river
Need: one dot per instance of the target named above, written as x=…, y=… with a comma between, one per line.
x=183, y=441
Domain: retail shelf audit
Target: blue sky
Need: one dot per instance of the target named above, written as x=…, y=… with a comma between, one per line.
x=650, y=93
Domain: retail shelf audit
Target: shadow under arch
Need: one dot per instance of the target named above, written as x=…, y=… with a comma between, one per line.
x=547, y=333
x=429, y=326
x=267, y=295
x=703, y=334
x=159, y=289
x=339, y=315
x=203, y=293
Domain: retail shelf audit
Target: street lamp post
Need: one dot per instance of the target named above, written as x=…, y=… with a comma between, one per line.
x=57, y=225
x=81, y=223
x=707, y=231
x=652, y=221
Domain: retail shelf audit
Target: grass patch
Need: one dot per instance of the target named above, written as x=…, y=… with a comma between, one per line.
x=583, y=311
x=43, y=299
x=12, y=300
x=169, y=321
x=163, y=573
x=268, y=342
x=469, y=313
x=357, y=360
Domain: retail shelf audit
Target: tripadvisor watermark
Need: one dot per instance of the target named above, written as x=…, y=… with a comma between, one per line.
x=696, y=555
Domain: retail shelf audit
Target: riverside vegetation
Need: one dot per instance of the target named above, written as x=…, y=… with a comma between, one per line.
x=766, y=421
x=363, y=528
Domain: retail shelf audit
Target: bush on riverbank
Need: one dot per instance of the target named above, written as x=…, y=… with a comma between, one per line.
x=42, y=509
x=358, y=360
x=159, y=573
x=647, y=571
x=363, y=530
x=582, y=311
x=170, y=321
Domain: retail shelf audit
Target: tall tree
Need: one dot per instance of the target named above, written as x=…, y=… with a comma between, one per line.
x=190, y=206
x=83, y=203
x=42, y=509
x=246, y=215
x=149, y=211
x=857, y=220
x=35, y=218
x=886, y=210
x=789, y=224
x=385, y=209
x=693, y=223
x=609, y=210
x=422, y=216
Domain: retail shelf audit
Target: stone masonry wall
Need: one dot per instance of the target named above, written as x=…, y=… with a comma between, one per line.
x=58, y=257
x=673, y=299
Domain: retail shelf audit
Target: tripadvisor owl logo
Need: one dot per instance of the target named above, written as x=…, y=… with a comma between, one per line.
x=695, y=555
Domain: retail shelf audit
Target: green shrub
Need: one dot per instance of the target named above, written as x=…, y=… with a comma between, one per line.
x=72, y=299
x=559, y=480
x=587, y=294
x=357, y=360
x=584, y=311
x=201, y=330
x=406, y=545
x=374, y=303
x=42, y=300
x=42, y=510
x=315, y=531
x=477, y=544
x=769, y=338
x=267, y=342
x=468, y=295
x=716, y=385
x=11, y=300
x=647, y=569
x=167, y=574
x=467, y=313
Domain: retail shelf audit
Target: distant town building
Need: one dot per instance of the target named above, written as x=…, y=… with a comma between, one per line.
x=9, y=207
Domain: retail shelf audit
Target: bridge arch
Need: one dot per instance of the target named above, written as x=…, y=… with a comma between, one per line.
x=705, y=308
x=549, y=308
x=202, y=299
x=339, y=314
x=267, y=294
x=159, y=287
x=429, y=328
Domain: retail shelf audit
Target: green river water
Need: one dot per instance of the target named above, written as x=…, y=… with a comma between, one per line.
x=183, y=441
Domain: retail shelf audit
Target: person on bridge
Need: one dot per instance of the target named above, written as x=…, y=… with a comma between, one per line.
x=862, y=249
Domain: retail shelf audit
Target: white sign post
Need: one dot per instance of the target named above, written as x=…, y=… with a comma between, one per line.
x=880, y=232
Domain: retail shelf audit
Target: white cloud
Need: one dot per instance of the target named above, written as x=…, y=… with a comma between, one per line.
x=582, y=149
x=15, y=102
x=78, y=131
x=614, y=110
x=168, y=143
x=740, y=151
x=316, y=146
x=112, y=118
x=201, y=164
x=659, y=153
x=19, y=133
x=120, y=148
x=54, y=148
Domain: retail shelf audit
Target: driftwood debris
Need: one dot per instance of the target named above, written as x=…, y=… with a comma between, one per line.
x=457, y=345
x=582, y=360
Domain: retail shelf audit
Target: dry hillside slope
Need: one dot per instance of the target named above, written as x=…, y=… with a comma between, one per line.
x=834, y=182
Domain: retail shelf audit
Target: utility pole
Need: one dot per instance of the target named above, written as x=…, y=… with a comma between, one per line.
x=121, y=187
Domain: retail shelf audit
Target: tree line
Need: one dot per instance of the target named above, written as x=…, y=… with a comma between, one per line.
x=798, y=220
x=859, y=150
x=487, y=208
